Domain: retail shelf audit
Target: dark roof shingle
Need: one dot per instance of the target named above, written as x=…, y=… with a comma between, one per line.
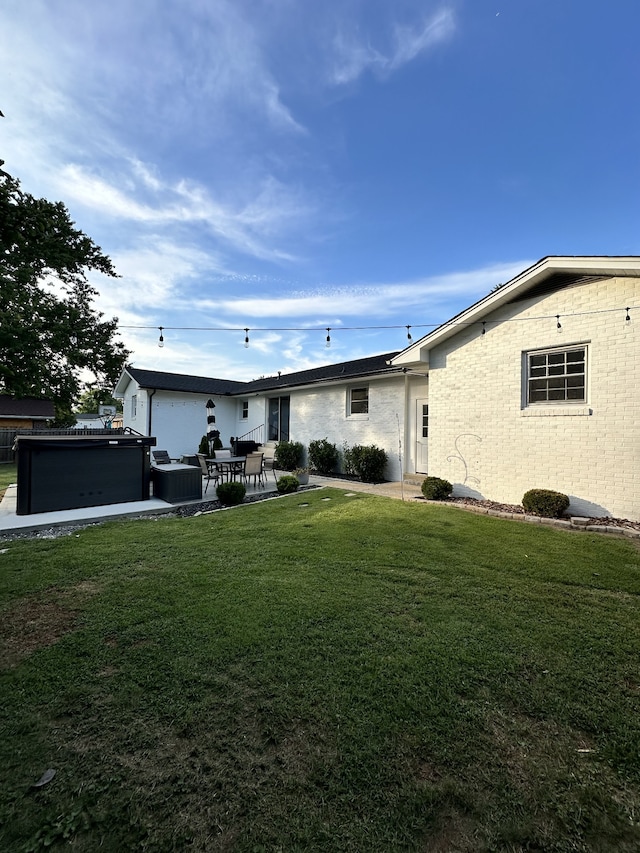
x=26, y=407
x=183, y=382
x=327, y=373
x=368, y=366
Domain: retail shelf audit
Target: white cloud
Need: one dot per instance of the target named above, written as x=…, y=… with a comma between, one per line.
x=412, y=41
x=245, y=226
x=374, y=300
x=355, y=54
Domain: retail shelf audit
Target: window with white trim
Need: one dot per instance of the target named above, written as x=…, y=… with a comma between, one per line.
x=245, y=410
x=134, y=405
x=556, y=375
x=358, y=401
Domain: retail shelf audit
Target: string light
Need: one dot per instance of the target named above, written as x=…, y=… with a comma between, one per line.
x=328, y=343
x=432, y=326
x=484, y=330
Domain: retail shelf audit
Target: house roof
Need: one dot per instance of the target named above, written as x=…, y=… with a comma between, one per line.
x=360, y=367
x=176, y=382
x=26, y=407
x=548, y=274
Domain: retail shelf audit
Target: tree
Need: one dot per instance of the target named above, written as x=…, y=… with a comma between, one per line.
x=90, y=401
x=50, y=333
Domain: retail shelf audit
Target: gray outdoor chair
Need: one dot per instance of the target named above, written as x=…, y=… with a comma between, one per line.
x=207, y=472
x=161, y=457
x=253, y=467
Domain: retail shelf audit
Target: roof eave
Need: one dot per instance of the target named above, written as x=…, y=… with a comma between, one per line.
x=418, y=353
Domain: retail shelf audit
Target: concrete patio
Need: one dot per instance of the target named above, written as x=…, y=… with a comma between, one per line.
x=11, y=523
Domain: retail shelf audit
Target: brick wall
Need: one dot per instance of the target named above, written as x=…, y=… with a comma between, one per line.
x=489, y=444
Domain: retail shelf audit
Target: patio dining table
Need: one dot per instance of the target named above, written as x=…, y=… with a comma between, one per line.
x=229, y=468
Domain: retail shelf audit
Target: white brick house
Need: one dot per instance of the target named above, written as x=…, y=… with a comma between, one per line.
x=357, y=402
x=538, y=386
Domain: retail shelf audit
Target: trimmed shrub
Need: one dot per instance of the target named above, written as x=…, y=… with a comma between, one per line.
x=323, y=456
x=287, y=484
x=436, y=489
x=545, y=502
x=348, y=462
x=288, y=455
x=369, y=462
x=231, y=494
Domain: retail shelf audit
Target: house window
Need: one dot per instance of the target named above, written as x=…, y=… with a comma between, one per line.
x=358, y=401
x=245, y=410
x=278, y=419
x=557, y=376
x=425, y=420
x=134, y=405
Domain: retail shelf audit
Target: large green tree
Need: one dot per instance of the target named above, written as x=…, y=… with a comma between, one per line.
x=50, y=332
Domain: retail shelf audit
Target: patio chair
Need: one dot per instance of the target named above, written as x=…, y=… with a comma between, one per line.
x=161, y=457
x=207, y=473
x=253, y=467
x=268, y=464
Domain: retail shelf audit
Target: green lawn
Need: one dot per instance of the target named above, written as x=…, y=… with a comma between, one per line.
x=8, y=475
x=321, y=673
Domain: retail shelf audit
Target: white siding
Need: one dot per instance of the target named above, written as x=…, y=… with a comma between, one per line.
x=178, y=420
x=485, y=441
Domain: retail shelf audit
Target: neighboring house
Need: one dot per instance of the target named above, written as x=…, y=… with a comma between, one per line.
x=89, y=420
x=358, y=402
x=25, y=413
x=537, y=386
x=86, y=420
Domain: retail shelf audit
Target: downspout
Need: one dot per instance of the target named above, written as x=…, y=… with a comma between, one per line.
x=150, y=399
x=406, y=425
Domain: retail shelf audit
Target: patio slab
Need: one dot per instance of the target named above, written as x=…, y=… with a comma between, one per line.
x=11, y=523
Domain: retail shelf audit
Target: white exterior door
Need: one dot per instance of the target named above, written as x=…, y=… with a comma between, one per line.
x=422, y=436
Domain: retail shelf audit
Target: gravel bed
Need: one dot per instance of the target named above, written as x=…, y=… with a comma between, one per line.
x=516, y=509
x=186, y=511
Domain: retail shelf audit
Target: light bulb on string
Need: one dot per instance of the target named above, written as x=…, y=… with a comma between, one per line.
x=161, y=338
x=246, y=338
x=328, y=343
x=409, y=338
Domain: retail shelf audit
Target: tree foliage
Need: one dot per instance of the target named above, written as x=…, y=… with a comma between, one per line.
x=50, y=333
x=90, y=401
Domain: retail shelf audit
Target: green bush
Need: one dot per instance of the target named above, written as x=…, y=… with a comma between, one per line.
x=436, y=489
x=287, y=484
x=231, y=494
x=545, y=502
x=288, y=455
x=348, y=462
x=368, y=462
x=323, y=456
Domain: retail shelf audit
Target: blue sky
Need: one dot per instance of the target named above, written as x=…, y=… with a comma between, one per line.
x=289, y=164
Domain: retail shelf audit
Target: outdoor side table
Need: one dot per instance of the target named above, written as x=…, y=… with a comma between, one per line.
x=176, y=482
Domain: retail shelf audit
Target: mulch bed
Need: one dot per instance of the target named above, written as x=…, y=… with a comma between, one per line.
x=212, y=506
